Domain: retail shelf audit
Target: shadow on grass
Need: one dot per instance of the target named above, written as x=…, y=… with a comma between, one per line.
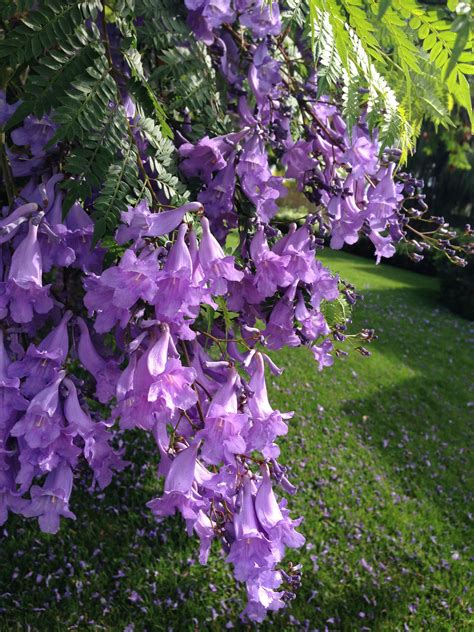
x=426, y=449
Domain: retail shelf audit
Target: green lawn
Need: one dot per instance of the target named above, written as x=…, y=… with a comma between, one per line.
x=381, y=450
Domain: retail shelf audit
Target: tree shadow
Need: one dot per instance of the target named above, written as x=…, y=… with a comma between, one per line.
x=422, y=425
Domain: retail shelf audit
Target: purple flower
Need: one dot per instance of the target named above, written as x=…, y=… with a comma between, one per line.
x=10, y=224
x=53, y=234
x=208, y=155
x=280, y=329
x=217, y=268
x=102, y=458
x=34, y=133
x=251, y=552
x=42, y=422
x=230, y=59
x=38, y=461
x=313, y=323
x=362, y=155
x=267, y=424
x=383, y=245
x=11, y=401
x=258, y=183
x=223, y=436
x=10, y=499
x=218, y=200
x=324, y=287
x=298, y=162
x=176, y=282
x=141, y=222
x=112, y=295
x=200, y=27
x=280, y=529
x=99, y=454
x=50, y=502
x=322, y=354
x=260, y=18
x=299, y=246
x=179, y=492
x=132, y=280
x=383, y=200
x=40, y=365
x=155, y=387
x=23, y=292
x=79, y=235
x=79, y=422
x=264, y=74
x=98, y=299
x=171, y=390
x=346, y=219
x=263, y=596
x=271, y=268
x=223, y=431
x=205, y=530
x=105, y=372
x=214, y=12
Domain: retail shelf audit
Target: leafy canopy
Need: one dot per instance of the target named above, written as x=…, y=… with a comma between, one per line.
x=402, y=60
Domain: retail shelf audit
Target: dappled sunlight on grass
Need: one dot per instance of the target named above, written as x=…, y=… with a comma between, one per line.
x=368, y=274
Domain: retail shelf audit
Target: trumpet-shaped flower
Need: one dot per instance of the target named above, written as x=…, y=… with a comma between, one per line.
x=50, y=502
x=23, y=292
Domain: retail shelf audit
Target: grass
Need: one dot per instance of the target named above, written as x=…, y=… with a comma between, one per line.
x=381, y=450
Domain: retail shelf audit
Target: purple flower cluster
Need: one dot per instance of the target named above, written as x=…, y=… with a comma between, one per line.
x=210, y=421
x=337, y=168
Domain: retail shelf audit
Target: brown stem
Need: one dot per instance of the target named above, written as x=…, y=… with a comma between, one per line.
x=194, y=387
x=6, y=171
x=113, y=71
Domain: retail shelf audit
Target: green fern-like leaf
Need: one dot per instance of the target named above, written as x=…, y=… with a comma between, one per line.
x=85, y=104
x=88, y=163
x=161, y=157
x=39, y=31
x=53, y=75
x=295, y=13
x=117, y=193
x=336, y=312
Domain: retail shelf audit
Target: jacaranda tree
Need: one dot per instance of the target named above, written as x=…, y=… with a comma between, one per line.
x=145, y=273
